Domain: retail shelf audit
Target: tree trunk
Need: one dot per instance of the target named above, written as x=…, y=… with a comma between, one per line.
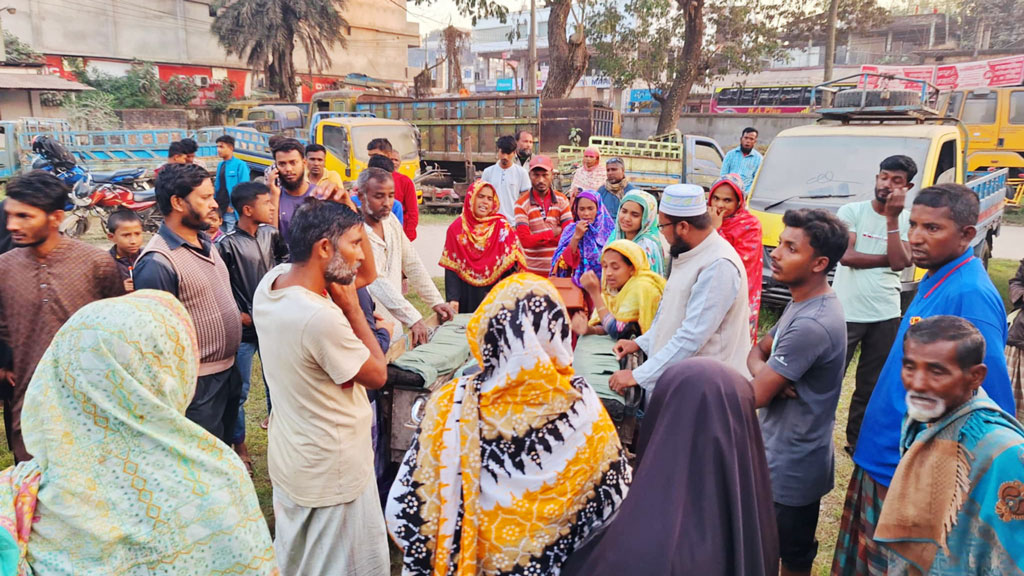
x=288, y=88
x=688, y=65
x=568, y=57
x=830, y=48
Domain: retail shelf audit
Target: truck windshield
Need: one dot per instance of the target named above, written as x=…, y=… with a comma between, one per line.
x=839, y=166
x=402, y=138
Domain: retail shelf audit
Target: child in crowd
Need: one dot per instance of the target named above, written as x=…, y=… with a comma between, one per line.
x=215, y=231
x=249, y=252
x=124, y=229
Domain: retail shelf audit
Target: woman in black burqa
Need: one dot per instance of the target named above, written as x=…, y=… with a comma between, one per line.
x=701, y=499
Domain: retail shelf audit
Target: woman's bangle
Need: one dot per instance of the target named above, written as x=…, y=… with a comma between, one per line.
x=894, y=231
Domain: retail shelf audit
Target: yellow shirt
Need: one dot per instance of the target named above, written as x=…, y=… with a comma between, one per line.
x=333, y=177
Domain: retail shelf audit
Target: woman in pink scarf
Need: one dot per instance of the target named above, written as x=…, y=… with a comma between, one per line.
x=591, y=175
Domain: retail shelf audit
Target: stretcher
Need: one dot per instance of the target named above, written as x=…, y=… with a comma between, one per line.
x=415, y=373
x=594, y=361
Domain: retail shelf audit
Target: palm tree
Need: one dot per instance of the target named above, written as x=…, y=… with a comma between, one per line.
x=265, y=32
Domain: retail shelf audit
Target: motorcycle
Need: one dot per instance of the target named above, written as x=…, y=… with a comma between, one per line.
x=90, y=197
x=87, y=201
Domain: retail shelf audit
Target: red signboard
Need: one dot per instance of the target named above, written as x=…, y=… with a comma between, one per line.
x=313, y=84
x=926, y=73
x=1007, y=71
x=55, y=66
x=985, y=73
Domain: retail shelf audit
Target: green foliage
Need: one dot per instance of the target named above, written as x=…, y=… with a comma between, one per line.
x=477, y=9
x=853, y=16
x=1001, y=17
x=19, y=52
x=223, y=95
x=179, y=91
x=642, y=40
x=93, y=110
x=265, y=33
x=139, y=88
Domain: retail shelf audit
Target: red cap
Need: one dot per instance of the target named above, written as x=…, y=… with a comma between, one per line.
x=542, y=162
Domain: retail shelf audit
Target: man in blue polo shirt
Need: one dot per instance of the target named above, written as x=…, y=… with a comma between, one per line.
x=942, y=226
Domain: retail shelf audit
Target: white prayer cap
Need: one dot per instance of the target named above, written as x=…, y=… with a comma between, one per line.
x=683, y=200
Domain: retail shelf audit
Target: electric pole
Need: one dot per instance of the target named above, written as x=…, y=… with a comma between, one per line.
x=531, y=72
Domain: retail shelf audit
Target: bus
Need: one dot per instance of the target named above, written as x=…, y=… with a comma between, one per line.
x=789, y=99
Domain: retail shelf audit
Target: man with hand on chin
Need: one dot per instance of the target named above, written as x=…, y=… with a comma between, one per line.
x=954, y=504
x=942, y=230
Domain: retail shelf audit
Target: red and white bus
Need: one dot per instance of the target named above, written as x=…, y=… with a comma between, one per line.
x=789, y=99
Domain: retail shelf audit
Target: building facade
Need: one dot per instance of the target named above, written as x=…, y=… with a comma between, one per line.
x=176, y=36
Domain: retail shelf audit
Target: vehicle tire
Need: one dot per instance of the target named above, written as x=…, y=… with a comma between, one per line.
x=152, y=218
x=986, y=251
x=852, y=98
x=75, y=225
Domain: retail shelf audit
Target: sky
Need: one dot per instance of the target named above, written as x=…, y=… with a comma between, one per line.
x=436, y=15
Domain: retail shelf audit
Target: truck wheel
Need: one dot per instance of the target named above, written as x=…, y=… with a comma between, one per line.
x=75, y=225
x=986, y=251
x=852, y=98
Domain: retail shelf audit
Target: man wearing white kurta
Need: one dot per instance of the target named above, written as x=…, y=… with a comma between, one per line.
x=704, y=311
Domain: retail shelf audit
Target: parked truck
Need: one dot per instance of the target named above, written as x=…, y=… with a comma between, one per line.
x=654, y=163
x=994, y=118
x=835, y=161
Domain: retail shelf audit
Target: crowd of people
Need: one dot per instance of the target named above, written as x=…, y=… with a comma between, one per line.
x=128, y=371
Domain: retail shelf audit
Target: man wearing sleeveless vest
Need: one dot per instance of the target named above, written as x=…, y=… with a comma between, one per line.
x=704, y=311
x=181, y=259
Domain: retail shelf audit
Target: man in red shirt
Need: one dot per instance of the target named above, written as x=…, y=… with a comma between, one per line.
x=540, y=216
x=405, y=190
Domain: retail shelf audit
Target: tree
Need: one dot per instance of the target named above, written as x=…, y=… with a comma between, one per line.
x=19, y=52
x=455, y=42
x=568, y=57
x=998, y=21
x=138, y=88
x=223, y=95
x=265, y=33
x=179, y=91
x=567, y=53
x=669, y=45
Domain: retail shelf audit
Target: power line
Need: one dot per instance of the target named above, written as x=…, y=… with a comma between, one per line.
x=424, y=16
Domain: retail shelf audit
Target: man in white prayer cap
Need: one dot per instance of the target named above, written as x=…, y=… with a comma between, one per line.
x=704, y=311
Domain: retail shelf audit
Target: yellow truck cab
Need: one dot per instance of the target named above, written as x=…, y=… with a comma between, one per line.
x=346, y=138
x=994, y=118
x=835, y=161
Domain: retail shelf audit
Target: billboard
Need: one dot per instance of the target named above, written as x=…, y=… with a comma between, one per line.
x=1008, y=71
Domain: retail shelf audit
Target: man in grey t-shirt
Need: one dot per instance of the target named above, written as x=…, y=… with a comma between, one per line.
x=798, y=375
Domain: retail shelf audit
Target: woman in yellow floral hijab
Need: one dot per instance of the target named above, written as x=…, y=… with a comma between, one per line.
x=514, y=468
x=122, y=482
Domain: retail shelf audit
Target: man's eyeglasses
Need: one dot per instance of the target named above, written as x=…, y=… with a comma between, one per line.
x=660, y=226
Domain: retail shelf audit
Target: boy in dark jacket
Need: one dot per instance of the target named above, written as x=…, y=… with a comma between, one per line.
x=249, y=252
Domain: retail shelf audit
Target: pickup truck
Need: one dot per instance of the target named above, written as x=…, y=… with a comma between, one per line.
x=834, y=162
x=344, y=135
x=655, y=163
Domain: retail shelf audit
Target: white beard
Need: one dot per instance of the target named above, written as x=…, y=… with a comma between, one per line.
x=924, y=407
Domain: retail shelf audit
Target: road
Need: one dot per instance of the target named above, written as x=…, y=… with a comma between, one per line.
x=1010, y=243
x=428, y=244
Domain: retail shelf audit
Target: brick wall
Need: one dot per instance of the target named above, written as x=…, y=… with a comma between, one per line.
x=148, y=119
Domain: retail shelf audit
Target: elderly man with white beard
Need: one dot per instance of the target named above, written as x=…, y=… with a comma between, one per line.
x=942, y=230
x=956, y=502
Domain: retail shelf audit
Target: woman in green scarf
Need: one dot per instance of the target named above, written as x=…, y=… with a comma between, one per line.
x=637, y=221
x=122, y=482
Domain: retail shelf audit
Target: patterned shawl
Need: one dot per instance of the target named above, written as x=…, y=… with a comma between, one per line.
x=589, y=178
x=590, y=246
x=125, y=483
x=956, y=503
x=648, y=237
x=638, y=300
x=513, y=469
x=743, y=231
x=481, y=251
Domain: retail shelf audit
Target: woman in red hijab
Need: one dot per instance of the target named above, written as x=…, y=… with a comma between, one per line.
x=728, y=210
x=480, y=249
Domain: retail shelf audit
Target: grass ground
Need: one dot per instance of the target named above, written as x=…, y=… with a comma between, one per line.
x=831, y=506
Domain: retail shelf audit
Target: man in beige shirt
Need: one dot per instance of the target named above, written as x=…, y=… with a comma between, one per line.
x=319, y=356
x=395, y=255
